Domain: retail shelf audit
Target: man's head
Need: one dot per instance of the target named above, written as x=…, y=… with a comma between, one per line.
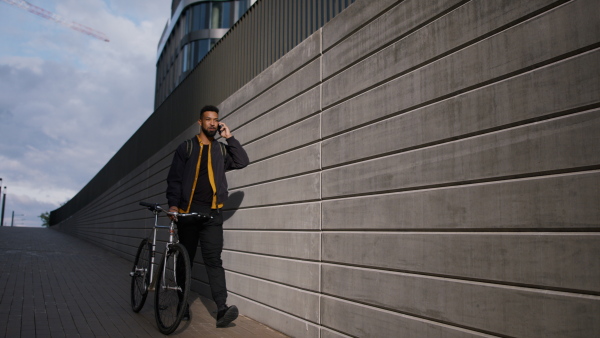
x=209, y=120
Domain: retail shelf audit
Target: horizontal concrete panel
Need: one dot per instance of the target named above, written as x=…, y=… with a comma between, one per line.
x=287, y=64
x=305, y=216
x=359, y=320
x=281, y=321
x=459, y=27
x=294, y=301
x=127, y=202
x=503, y=310
x=352, y=18
x=289, y=88
x=566, y=261
x=396, y=22
x=549, y=90
x=300, y=245
x=295, y=136
x=537, y=203
x=301, y=274
x=149, y=173
x=130, y=215
x=130, y=235
x=292, y=190
x=120, y=207
x=158, y=172
x=304, y=160
x=326, y=333
x=558, y=144
x=566, y=29
x=155, y=193
x=290, y=112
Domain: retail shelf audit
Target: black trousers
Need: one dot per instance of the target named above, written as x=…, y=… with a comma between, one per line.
x=209, y=233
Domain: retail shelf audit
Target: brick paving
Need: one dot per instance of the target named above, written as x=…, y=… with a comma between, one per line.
x=56, y=285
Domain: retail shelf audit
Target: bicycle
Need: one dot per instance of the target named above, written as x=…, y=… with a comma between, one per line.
x=170, y=298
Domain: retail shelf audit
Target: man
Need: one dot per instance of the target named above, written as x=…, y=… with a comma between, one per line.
x=196, y=183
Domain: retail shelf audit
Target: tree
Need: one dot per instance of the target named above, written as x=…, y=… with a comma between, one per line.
x=45, y=216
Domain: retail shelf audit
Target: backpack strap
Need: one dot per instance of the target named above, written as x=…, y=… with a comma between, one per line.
x=189, y=146
x=223, y=150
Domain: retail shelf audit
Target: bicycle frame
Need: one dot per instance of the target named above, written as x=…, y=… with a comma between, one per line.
x=157, y=209
x=171, y=228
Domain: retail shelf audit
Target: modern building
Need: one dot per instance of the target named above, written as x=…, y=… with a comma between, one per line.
x=193, y=29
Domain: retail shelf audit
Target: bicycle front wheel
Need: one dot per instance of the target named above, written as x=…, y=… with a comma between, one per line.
x=172, y=288
x=140, y=276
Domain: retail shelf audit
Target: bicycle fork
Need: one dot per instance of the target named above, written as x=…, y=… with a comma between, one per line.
x=153, y=255
x=165, y=257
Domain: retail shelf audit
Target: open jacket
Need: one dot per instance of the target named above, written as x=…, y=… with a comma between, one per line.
x=183, y=173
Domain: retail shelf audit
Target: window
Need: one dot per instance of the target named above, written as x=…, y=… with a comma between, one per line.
x=195, y=51
x=241, y=8
x=197, y=17
x=185, y=58
x=214, y=15
x=222, y=15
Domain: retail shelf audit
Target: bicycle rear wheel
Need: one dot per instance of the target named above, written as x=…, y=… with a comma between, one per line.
x=140, y=276
x=172, y=288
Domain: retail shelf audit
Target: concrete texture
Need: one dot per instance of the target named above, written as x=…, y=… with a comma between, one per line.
x=289, y=164
x=419, y=169
x=517, y=204
x=304, y=216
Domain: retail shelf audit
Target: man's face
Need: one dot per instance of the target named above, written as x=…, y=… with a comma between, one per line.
x=209, y=123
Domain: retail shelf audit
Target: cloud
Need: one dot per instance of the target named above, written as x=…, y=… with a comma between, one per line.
x=68, y=101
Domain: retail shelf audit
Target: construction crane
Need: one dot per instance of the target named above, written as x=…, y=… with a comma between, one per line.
x=56, y=18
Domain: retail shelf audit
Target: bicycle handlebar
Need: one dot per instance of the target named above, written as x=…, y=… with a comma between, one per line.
x=155, y=207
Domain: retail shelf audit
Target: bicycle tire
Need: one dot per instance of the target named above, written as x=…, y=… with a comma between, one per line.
x=140, y=276
x=170, y=298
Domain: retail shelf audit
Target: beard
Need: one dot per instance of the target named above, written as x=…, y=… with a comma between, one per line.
x=208, y=132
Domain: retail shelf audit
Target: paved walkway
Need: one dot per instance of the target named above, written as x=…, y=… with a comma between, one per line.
x=55, y=285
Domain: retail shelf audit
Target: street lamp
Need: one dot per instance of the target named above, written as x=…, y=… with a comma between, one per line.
x=3, y=205
x=2, y=215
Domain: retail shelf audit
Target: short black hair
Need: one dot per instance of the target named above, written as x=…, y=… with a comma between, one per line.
x=208, y=108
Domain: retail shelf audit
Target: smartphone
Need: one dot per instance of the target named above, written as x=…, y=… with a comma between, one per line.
x=219, y=129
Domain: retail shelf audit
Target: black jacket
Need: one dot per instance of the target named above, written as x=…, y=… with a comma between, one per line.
x=183, y=171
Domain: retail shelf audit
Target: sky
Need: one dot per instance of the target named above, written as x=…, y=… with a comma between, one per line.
x=69, y=101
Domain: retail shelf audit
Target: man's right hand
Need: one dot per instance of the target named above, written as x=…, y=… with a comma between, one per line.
x=173, y=209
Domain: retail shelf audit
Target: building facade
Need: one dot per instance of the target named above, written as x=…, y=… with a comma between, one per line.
x=193, y=29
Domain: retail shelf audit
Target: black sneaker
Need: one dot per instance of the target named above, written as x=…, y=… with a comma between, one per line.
x=227, y=315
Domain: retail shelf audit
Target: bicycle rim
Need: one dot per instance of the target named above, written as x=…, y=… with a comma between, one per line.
x=140, y=276
x=172, y=289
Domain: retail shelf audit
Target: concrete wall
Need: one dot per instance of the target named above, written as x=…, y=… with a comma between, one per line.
x=419, y=169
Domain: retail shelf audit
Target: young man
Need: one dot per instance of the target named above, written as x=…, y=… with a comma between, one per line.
x=196, y=183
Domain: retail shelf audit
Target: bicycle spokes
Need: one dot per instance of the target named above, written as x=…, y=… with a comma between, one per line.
x=140, y=276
